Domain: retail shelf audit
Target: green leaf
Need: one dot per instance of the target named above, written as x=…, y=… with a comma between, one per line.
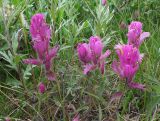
x=27, y=72
x=15, y=42
x=151, y=103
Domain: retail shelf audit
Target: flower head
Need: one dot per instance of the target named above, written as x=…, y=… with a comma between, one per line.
x=41, y=88
x=129, y=60
x=84, y=52
x=136, y=25
x=96, y=47
x=128, y=54
x=91, y=54
x=135, y=34
x=41, y=35
x=39, y=30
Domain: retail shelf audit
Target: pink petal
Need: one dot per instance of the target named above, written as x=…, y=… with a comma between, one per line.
x=143, y=36
x=98, y=48
x=50, y=75
x=41, y=87
x=32, y=61
x=135, y=85
x=84, y=52
x=52, y=53
x=41, y=48
x=140, y=58
x=116, y=68
x=88, y=68
x=105, y=55
x=76, y=118
x=136, y=25
x=93, y=40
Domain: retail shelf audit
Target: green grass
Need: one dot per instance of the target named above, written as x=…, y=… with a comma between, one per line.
x=74, y=21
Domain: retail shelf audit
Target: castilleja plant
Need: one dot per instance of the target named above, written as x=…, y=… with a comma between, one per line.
x=91, y=54
x=136, y=36
x=129, y=55
x=41, y=35
x=128, y=64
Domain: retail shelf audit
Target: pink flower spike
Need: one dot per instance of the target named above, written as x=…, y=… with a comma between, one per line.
x=136, y=25
x=76, y=118
x=32, y=61
x=51, y=76
x=135, y=34
x=129, y=60
x=143, y=36
x=41, y=88
x=39, y=30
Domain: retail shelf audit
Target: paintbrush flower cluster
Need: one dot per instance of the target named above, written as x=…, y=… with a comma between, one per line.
x=41, y=35
x=129, y=55
x=136, y=36
x=91, y=54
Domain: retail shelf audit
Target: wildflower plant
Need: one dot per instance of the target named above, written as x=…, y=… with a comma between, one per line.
x=129, y=62
x=129, y=55
x=41, y=35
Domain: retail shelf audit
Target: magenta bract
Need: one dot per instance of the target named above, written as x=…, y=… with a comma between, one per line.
x=41, y=35
x=129, y=60
x=84, y=52
x=32, y=61
x=135, y=34
x=41, y=87
x=96, y=47
x=91, y=54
